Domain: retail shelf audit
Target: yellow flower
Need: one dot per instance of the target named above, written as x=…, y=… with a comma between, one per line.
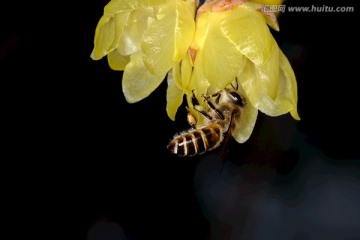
x=144, y=39
x=236, y=44
x=201, y=53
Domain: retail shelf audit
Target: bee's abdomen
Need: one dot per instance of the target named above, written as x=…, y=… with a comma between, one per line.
x=196, y=141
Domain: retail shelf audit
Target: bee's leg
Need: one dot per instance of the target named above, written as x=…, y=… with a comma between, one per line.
x=191, y=118
x=216, y=95
x=198, y=107
x=211, y=105
x=194, y=100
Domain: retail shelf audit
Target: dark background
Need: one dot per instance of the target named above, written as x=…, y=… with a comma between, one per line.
x=75, y=153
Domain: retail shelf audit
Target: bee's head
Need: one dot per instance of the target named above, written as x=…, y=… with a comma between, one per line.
x=237, y=98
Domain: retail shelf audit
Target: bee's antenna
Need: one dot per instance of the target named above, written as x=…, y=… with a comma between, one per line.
x=237, y=84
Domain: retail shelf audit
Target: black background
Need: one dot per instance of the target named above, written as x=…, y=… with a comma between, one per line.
x=73, y=146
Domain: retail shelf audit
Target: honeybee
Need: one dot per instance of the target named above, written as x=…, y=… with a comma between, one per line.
x=222, y=116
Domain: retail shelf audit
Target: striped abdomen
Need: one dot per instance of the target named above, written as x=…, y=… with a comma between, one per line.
x=196, y=141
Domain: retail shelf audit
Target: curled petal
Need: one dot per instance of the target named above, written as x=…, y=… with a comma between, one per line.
x=107, y=34
x=178, y=83
x=174, y=95
x=117, y=61
x=104, y=37
x=257, y=86
x=288, y=85
x=138, y=82
x=246, y=122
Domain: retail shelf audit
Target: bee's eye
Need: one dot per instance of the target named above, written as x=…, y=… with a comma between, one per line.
x=237, y=98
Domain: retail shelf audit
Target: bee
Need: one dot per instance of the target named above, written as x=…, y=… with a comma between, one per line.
x=222, y=116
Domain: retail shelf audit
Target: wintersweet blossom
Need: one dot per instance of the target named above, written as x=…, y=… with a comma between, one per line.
x=144, y=39
x=201, y=51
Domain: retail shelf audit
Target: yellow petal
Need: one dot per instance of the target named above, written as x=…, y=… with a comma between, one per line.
x=248, y=80
x=289, y=86
x=136, y=24
x=174, y=96
x=168, y=38
x=104, y=37
x=246, y=122
x=138, y=82
x=286, y=98
x=260, y=83
x=250, y=34
x=178, y=83
x=221, y=58
x=182, y=80
x=107, y=34
x=116, y=6
x=268, y=74
x=117, y=61
x=184, y=28
x=256, y=87
x=176, y=75
x=186, y=71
